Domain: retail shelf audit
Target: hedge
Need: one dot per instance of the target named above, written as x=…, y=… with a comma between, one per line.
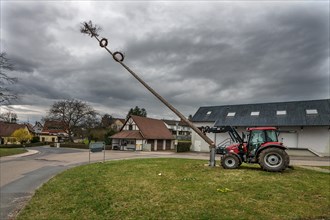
x=78, y=146
x=183, y=147
x=72, y=145
x=20, y=146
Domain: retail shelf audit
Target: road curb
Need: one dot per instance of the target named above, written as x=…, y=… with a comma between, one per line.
x=318, y=169
x=29, y=153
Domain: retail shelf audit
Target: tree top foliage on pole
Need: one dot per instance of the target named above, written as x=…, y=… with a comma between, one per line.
x=90, y=29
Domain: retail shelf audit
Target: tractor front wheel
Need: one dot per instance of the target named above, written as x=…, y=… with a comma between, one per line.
x=230, y=161
x=274, y=159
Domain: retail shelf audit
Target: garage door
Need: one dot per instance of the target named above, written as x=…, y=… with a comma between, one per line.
x=289, y=139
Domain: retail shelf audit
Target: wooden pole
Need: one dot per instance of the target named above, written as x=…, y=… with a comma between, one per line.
x=165, y=102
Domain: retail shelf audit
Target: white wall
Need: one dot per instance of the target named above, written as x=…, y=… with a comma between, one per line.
x=315, y=138
x=197, y=143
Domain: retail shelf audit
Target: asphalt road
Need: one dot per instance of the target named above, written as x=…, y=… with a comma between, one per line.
x=21, y=176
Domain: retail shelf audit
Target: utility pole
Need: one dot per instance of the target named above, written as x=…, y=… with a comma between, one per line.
x=92, y=30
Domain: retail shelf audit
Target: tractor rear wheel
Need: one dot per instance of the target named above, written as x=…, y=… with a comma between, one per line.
x=274, y=159
x=230, y=161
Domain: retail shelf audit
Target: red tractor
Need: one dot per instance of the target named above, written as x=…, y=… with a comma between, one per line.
x=262, y=147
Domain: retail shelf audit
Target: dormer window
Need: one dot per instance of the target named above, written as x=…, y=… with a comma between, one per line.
x=231, y=114
x=311, y=111
x=255, y=113
x=281, y=112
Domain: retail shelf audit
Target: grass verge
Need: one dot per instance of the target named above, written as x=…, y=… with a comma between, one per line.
x=11, y=151
x=180, y=189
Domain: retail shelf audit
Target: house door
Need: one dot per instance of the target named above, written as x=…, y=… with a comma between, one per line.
x=151, y=142
x=159, y=144
x=168, y=145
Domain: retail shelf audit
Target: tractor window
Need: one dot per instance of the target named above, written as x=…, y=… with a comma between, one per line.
x=257, y=137
x=271, y=136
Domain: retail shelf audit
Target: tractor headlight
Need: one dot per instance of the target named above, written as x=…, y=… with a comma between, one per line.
x=221, y=150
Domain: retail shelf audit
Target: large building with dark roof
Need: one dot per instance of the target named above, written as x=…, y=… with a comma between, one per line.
x=305, y=124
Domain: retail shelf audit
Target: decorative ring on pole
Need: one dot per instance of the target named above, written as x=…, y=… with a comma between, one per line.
x=118, y=56
x=103, y=42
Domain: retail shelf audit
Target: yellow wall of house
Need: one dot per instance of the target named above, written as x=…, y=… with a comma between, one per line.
x=48, y=138
x=12, y=140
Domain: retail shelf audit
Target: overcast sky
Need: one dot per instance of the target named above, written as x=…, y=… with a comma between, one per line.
x=193, y=53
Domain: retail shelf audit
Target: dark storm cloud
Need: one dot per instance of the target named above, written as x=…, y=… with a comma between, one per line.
x=192, y=53
x=281, y=57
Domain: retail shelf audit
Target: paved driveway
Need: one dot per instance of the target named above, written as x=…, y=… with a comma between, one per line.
x=21, y=176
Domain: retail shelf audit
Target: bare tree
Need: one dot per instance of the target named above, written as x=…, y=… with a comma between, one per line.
x=73, y=113
x=6, y=95
x=9, y=116
x=106, y=120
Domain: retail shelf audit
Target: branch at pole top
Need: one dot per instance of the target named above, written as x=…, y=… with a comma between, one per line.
x=93, y=31
x=90, y=29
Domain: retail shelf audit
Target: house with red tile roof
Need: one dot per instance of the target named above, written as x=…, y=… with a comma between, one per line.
x=6, y=131
x=53, y=131
x=141, y=133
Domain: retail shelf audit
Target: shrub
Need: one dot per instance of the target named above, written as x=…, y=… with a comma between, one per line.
x=183, y=147
x=11, y=146
x=35, y=144
x=35, y=140
x=19, y=145
x=74, y=145
x=78, y=146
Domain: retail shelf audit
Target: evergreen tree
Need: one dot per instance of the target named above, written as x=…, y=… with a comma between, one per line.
x=137, y=111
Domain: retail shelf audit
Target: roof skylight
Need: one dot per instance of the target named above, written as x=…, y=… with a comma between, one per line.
x=255, y=113
x=311, y=111
x=209, y=112
x=281, y=112
x=231, y=114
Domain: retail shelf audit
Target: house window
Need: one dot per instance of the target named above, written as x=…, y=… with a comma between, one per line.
x=255, y=113
x=281, y=112
x=231, y=114
x=311, y=111
x=130, y=127
x=209, y=112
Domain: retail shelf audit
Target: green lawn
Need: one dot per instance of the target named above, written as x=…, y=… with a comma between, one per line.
x=11, y=151
x=180, y=189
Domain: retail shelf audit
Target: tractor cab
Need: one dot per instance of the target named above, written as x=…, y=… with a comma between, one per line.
x=260, y=136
